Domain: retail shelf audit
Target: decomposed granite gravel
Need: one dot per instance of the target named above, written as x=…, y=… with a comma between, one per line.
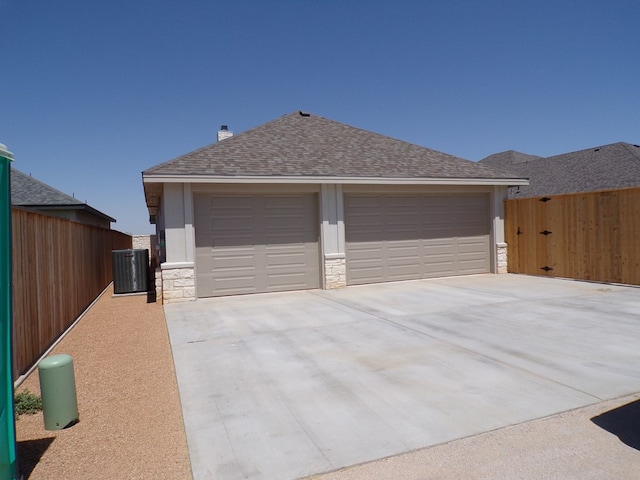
x=130, y=417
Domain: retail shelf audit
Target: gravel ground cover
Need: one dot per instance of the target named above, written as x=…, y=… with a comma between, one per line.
x=130, y=415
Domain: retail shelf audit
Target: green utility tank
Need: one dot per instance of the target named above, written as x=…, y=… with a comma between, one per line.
x=58, y=390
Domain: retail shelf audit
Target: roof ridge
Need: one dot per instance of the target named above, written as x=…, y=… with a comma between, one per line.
x=593, y=149
x=633, y=148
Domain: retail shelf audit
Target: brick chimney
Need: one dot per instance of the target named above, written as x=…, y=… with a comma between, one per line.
x=224, y=132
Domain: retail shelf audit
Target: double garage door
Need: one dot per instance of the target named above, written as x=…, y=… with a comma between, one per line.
x=408, y=237
x=270, y=242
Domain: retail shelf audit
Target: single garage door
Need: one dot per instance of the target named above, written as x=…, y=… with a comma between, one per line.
x=407, y=237
x=256, y=243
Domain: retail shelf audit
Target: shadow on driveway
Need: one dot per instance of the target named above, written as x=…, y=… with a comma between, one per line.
x=624, y=422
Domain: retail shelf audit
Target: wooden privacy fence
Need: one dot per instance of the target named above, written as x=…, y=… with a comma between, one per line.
x=59, y=268
x=586, y=236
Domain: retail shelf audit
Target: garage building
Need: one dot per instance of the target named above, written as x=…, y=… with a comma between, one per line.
x=305, y=202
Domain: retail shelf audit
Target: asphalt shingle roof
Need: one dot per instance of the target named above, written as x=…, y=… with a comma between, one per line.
x=307, y=145
x=607, y=167
x=510, y=157
x=26, y=190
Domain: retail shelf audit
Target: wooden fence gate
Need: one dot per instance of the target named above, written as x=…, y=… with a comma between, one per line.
x=586, y=236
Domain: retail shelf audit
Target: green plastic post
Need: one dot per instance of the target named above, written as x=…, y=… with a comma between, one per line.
x=8, y=462
x=58, y=390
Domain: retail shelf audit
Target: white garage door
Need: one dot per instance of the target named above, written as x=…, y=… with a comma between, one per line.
x=256, y=243
x=407, y=237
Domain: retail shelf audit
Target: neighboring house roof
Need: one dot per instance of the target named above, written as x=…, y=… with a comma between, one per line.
x=606, y=167
x=304, y=145
x=26, y=191
x=510, y=157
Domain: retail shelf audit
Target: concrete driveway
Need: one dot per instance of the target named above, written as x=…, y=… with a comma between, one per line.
x=281, y=386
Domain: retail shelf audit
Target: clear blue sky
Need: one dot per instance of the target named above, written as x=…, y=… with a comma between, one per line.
x=93, y=92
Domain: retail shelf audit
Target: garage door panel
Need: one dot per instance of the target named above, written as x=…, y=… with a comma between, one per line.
x=464, y=233
x=470, y=259
x=228, y=274
x=403, y=249
x=396, y=237
x=404, y=221
x=364, y=250
x=282, y=202
x=468, y=212
x=225, y=240
x=230, y=261
x=286, y=223
x=436, y=235
x=402, y=235
x=395, y=276
x=472, y=266
x=232, y=224
x=366, y=225
x=444, y=269
x=366, y=235
x=286, y=260
x=403, y=271
x=286, y=282
x=364, y=201
x=438, y=251
x=226, y=205
x=474, y=246
x=234, y=285
x=278, y=238
x=436, y=213
x=368, y=274
x=256, y=243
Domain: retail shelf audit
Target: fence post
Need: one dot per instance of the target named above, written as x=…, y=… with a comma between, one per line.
x=8, y=464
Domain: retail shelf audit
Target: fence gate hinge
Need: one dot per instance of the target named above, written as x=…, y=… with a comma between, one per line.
x=546, y=268
x=545, y=199
x=545, y=232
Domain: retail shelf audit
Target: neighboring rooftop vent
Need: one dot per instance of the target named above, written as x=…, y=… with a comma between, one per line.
x=224, y=132
x=304, y=114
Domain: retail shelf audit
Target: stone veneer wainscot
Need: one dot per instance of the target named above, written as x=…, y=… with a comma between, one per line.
x=178, y=284
x=502, y=258
x=335, y=271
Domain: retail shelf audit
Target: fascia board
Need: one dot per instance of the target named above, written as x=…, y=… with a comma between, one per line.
x=332, y=180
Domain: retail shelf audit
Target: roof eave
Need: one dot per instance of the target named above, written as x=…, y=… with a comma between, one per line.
x=68, y=206
x=282, y=179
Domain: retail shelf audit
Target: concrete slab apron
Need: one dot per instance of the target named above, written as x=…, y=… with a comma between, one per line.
x=288, y=385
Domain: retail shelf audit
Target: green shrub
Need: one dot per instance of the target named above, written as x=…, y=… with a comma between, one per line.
x=27, y=403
